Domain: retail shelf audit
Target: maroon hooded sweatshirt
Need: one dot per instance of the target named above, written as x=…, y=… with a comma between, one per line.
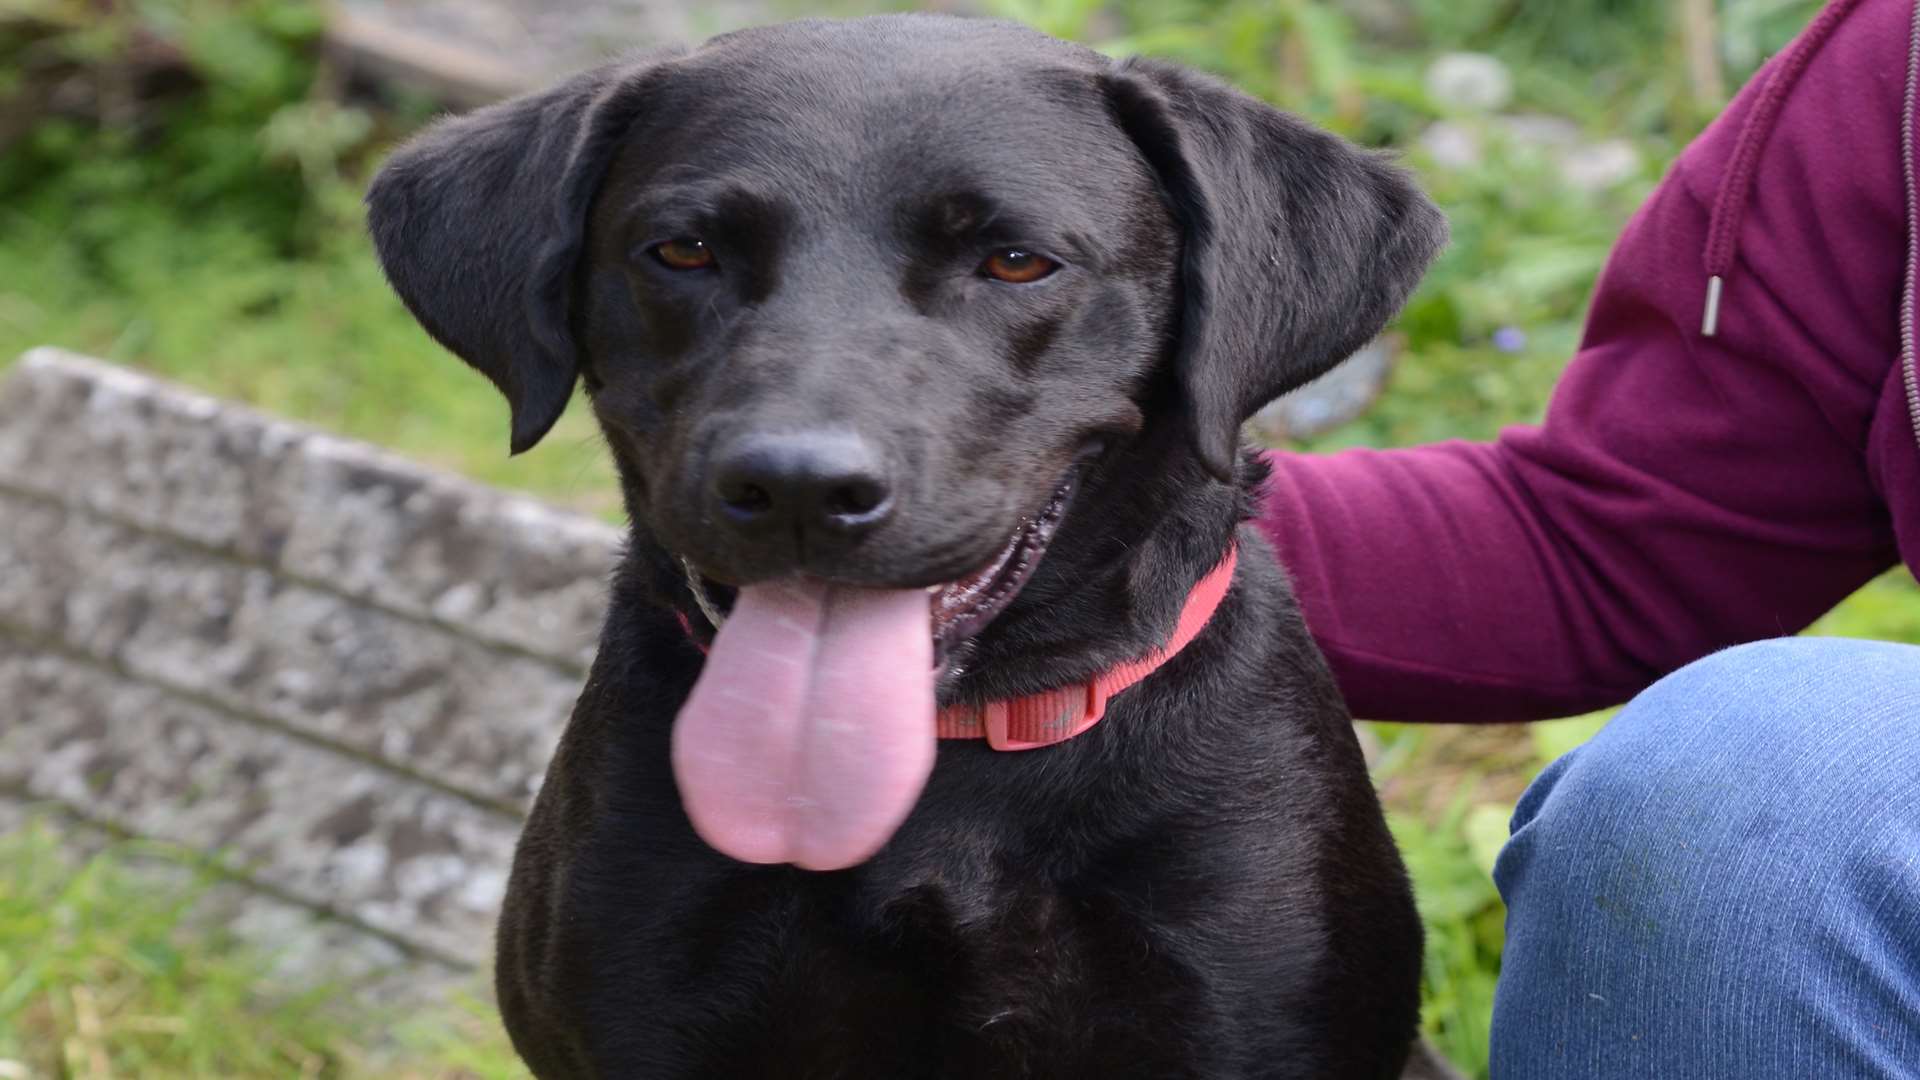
x=1731, y=452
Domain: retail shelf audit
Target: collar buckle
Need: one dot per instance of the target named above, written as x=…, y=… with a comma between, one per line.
x=1039, y=720
x=1054, y=716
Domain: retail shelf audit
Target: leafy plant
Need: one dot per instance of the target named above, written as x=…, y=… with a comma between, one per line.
x=201, y=107
x=1465, y=923
x=209, y=228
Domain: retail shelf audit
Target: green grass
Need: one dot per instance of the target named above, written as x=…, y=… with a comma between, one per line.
x=105, y=970
x=319, y=337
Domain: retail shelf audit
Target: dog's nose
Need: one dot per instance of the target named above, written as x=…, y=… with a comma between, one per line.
x=816, y=481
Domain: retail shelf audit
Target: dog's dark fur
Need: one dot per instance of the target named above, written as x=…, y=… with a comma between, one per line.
x=1202, y=885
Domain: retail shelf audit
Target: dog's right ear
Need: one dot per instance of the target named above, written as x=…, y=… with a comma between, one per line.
x=478, y=222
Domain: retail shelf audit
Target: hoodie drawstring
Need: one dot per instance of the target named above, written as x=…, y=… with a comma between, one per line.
x=1730, y=205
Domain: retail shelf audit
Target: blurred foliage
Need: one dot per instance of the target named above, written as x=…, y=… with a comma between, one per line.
x=197, y=106
x=1465, y=924
x=179, y=186
x=180, y=189
x=1450, y=851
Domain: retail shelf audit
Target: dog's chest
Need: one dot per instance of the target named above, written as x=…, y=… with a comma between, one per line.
x=1002, y=980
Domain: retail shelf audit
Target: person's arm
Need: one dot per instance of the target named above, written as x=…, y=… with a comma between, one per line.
x=1685, y=492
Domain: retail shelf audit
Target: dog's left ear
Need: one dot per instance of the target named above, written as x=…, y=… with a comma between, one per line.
x=1297, y=245
x=479, y=222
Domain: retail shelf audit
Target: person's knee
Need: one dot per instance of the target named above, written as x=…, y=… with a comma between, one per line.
x=1793, y=680
x=1754, y=812
x=1784, y=734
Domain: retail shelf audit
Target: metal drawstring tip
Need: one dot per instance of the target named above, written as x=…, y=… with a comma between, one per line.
x=1710, y=321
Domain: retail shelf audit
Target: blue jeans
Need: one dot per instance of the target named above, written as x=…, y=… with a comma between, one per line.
x=1725, y=882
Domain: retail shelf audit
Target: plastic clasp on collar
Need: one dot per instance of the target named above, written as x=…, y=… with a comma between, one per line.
x=993, y=721
x=1043, y=720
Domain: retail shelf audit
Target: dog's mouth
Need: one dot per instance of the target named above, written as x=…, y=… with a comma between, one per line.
x=963, y=607
x=810, y=731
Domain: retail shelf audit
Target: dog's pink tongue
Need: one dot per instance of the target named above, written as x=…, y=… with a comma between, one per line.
x=810, y=733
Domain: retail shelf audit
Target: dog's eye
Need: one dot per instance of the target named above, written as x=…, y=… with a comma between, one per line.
x=1017, y=267
x=684, y=254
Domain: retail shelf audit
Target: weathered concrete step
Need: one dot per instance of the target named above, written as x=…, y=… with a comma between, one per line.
x=341, y=671
x=407, y=692
x=339, y=515
x=342, y=835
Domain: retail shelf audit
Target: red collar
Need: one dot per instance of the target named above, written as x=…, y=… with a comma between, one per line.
x=1054, y=716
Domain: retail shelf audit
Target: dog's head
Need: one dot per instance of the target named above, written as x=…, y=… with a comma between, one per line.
x=851, y=297
x=857, y=302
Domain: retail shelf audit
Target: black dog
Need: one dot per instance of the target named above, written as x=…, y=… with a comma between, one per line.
x=874, y=315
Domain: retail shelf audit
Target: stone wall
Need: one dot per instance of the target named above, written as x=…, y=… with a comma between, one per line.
x=337, y=670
